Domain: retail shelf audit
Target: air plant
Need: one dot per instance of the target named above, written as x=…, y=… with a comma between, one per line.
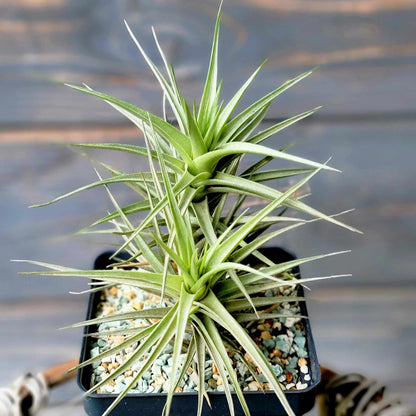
x=192, y=245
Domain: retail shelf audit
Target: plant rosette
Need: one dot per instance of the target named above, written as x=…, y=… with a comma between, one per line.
x=286, y=340
x=203, y=224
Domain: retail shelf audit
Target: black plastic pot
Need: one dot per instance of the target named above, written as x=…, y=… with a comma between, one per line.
x=185, y=404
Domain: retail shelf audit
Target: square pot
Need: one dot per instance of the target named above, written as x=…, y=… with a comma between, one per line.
x=184, y=404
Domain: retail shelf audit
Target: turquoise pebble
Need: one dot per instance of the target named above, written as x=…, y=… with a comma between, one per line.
x=293, y=363
x=159, y=362
x=208, y=374
x=269, y=343
x=300, y=341
x=168, y=349
x=302, y=353
x=102, y=342
x=277, y=370
x=262, y=378
x=282, y=343
x=95, y=351
x=156, y=370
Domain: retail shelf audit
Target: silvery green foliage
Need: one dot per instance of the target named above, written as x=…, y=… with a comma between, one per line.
x=192, y=244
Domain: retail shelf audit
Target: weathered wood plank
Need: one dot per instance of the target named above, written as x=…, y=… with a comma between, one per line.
x=368, y=58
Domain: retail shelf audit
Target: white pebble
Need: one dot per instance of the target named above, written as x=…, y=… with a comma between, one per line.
x=289, y=386
x=304, y=369
x=307, y=377
x=291, y=321
x=301, y=386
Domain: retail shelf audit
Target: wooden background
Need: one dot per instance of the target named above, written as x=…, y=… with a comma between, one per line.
x=366, y=83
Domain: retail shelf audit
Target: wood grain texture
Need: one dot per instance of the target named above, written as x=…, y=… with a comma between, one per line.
x=366, y=49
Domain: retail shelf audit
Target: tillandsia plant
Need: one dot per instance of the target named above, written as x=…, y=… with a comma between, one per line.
x=192, y=245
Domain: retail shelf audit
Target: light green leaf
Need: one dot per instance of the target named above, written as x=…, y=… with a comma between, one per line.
x=219, y=313
x=207, y=161
x=174, y=136
x=259, y=137
x=210, y=89
x=240, y=185
x=253, y=109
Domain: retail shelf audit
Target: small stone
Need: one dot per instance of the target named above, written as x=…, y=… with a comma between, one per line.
x=100, y=369
x=302, y=361
x=262, y=378
x=253, y=386
x=108, y=388
x=102, y=342
x=289, y=377
x=138, y=306
x=212, y=383
x=277, y=325
x=249, y=359
x=113, y=366
x=300, y=341
x=266, y=335
x=304, y=369
x=156, y=370
x=208, y=374
x=307, y=377
x=113, y=291
x=277, y=370
x=302, y=353
x=293, y=363
x=269, y=343
x=131, y=294
x=301, y=386
x=283, y=343
x=94, y=352
x=289, y=386
x=291, y=320
x=160, y=380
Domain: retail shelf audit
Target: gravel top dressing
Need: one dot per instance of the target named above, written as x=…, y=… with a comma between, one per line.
x=282, y=340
